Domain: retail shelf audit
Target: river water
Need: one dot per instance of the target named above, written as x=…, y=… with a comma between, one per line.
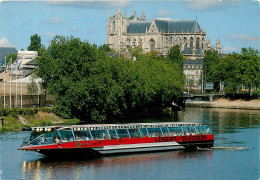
x=235, y=155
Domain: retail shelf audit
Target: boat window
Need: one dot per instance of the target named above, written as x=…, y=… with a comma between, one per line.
x=112, y=133
x=165, y=131
x=122, y=133
x=99, y=134
x=66, y=135
x=134, y=133
x=175, y=131
x=208, y=131
x=44, y=137
x=82, y=135
x=201, y=129
x=35, y=134
x=185, y=130
x=37, y=140
x=154, y=132
x=143, y=132
x=51, y=137
x=192, y=130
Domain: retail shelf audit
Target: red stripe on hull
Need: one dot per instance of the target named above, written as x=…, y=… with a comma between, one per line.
x=100, y=143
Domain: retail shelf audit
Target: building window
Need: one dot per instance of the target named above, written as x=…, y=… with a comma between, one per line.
x=152, y=45
x=197, y=43
x=191, y=43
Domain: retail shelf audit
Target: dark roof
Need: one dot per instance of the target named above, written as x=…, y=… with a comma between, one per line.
x=5, y=51
x=32, y=62
x=138, y=27
x=199, y=51
x=199, y=61
x=187, y=51
x=172, y=26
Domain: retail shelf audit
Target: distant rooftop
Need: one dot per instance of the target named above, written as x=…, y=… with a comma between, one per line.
x=5, y=51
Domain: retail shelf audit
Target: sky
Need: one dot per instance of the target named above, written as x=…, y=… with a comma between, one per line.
x=235, y=22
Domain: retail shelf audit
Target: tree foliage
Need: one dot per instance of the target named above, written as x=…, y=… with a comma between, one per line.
x=91, y=86
x=13, y=56
x=35, y=43
x=104, y=48
x=234, y=69
x=176, y=57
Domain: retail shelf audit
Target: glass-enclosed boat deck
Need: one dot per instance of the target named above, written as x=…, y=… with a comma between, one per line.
x=63, y=134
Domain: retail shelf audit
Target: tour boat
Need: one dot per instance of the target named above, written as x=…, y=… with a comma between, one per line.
x=102, y=139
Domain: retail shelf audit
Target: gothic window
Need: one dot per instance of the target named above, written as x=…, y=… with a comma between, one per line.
x=152, y=45
x=197, y=43
x=185, y=42
x=191, y=43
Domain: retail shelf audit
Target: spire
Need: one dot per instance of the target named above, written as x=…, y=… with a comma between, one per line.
x=109, y=14
x=125, y=14
x=143, y=17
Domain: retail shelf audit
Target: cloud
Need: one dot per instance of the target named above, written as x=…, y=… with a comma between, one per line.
x=257, y=1
x=54, y=20
x=164, y=13
x=50, y=34
x=244, y=37
x=229, y=49
x=204, y=5
x=5, y=43
x=91, y=3
x=92, y=30
x=74, y=28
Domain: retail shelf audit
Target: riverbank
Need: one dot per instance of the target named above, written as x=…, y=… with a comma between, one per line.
x=39, y=119
x=228, y=104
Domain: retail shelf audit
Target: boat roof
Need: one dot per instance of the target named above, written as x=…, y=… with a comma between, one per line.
x=119, y=125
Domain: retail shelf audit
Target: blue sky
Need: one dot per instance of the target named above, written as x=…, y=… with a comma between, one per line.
x=235, y=22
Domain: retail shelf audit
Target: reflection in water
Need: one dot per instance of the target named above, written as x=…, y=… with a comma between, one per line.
x=49, y=169
x=222, y=120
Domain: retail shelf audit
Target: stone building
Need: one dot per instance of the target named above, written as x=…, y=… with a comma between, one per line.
x=124, y=33
x=193, y=71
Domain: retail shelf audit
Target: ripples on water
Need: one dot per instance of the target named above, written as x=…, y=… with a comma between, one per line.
x=230, y=148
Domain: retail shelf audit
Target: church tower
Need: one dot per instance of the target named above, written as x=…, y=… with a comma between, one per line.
x=115, y=29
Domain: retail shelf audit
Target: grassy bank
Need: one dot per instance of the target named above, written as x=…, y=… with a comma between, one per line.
x=15, y=119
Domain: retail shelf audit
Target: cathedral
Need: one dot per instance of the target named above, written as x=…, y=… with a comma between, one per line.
x=160, y=35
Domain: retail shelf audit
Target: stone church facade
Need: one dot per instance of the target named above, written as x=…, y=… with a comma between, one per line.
x=124, y=33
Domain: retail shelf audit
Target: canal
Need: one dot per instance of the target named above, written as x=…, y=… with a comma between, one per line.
x=235, y=155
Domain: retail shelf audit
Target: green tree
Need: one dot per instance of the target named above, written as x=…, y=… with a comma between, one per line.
x=35, y=43
x=227, y=71
x=13, y=56
x=32, y=88
x=176, y=57
x=136, y=52
x=91, y=86
x=210, y=62
x=104, y=48
x=250, y=68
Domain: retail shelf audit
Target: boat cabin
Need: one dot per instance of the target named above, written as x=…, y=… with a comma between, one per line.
x=63, y=134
